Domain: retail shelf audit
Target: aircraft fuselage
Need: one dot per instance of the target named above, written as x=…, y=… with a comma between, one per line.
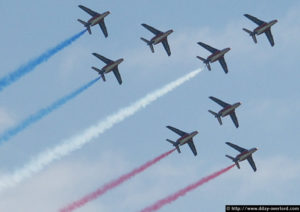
x=264, y=27
x=229, y=109
x=98, y=18
x=244, y=155
x=184, y=139
x=216, y=56
x=160, y=37
x=111, y=66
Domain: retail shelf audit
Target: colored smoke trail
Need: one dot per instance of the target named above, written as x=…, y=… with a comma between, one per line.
x=182, y=192
x=39, y=162
x=32, y=64
x=81, y=202
x=43, y=112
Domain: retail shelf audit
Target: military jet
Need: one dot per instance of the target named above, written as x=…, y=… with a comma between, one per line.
x=216, y=55
x=244, y=154
x=97, y=18
x=263, y=27
x=228, y=109
x=110, y=66
x=185, y=138
x=160, y=37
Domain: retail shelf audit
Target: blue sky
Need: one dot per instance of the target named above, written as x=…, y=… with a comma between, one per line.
x=263, y=78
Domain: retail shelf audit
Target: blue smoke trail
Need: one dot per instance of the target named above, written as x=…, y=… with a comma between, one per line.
x=43, y=112
x=24, y=69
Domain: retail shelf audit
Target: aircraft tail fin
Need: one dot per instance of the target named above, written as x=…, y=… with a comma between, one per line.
x=234, y=160
x=216, y=116
x=205, y=61
x=174, y=144
x=251, y=34
x=86, y=25
x=100, y=72
x=149, y=44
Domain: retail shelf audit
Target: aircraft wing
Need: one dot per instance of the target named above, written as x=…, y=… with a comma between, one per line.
x=152, y=29
x=209, y=48
x=220, y=102
x=223, y=64
x=251, y=162
x=236, y=147
x=270, y=37
x=234, y=119
x=166, y=46
x=254, y=19
x=192, y=146
x=104, y=59
x=179, y=132
x=89, y=11
x=118, y=75
x=103, y=28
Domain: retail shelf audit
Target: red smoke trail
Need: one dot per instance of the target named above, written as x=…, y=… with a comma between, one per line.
x=79, y=203
x=182, y=192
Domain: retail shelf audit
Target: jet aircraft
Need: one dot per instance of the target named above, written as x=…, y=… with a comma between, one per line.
x=228, y=109
x=244, y=154
x=263, y=27
x=110, y=66
x=160, y=37
x=216, y=55
x=97, y=18
x=185, y=138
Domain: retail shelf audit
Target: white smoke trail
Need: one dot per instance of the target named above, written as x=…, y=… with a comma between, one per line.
x=76, y=142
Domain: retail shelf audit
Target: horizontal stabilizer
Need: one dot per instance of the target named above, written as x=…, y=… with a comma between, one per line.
x=212, y=112
x=233, y=159
x=149, y=44
x=205, y=61
x=86, y=25
x=216, y=116
x=252, y=34
x=201, y=58
x=81, y=21
x=100, y=72
x=230, y=157
x=174, y=144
